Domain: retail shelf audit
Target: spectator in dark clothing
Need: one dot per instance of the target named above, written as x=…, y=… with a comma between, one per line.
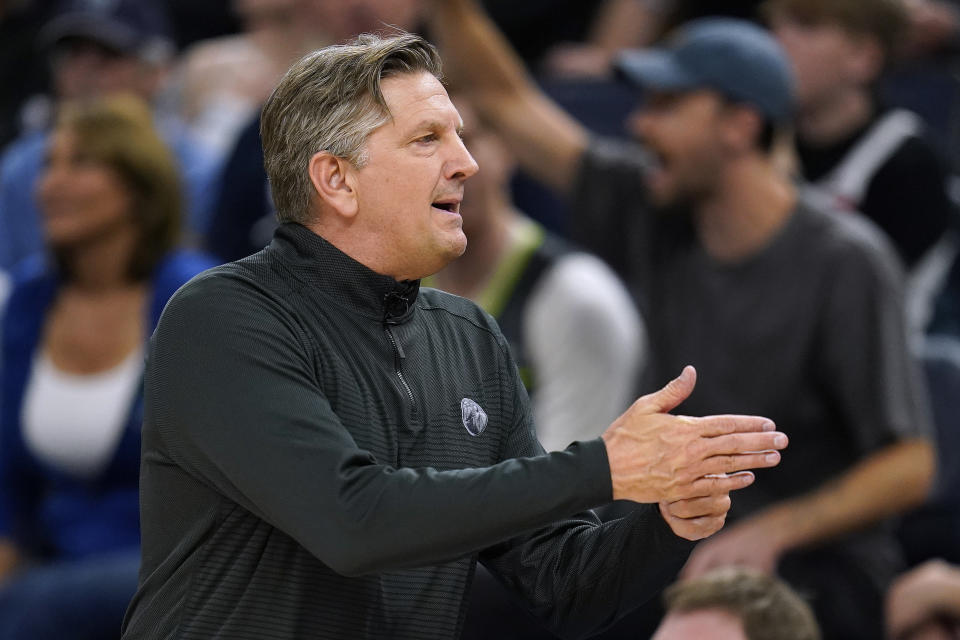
x=869, y=158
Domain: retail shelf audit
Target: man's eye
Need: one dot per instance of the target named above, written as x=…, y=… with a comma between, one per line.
x=431, y=137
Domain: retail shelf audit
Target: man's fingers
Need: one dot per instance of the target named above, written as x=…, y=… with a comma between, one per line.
x=720, y=484
x=711, y=426
x=696, y=528
x=734, y=443
x=676, y=391
x=716, y=505
x=727, y=464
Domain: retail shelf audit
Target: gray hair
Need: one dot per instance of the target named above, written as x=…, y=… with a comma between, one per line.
x=330, y=100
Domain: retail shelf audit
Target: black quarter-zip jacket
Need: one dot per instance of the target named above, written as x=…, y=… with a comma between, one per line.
x=327, y=453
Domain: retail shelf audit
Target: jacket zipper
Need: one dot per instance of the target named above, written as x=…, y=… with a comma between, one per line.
x=398, y=357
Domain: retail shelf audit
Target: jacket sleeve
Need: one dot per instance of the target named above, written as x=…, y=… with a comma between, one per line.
x=232, y=392
x=586, y=342
x=580, y=574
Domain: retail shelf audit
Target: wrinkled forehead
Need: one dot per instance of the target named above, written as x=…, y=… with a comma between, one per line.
x=415, y=97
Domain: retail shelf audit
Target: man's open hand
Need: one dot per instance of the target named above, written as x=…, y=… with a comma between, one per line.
x=689, y=465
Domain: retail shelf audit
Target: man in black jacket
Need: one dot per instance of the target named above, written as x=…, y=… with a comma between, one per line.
x=328, y=449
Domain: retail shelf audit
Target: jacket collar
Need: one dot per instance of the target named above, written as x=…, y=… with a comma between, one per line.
x=339, y=277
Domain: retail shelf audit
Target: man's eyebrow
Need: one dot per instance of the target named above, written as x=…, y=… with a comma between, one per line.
x=432, y=125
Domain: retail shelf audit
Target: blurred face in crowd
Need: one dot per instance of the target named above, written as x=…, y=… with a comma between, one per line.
x=827, y=59
x=716, y=624
x=84, y=69
x=410, y=189
x=482, y=192
x=81, y=199
x=683, y=131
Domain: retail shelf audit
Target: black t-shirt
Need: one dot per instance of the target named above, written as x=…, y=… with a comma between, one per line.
x=906, y=196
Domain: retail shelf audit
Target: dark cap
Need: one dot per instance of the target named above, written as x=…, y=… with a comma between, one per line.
x=134, y=27
x=735, y=58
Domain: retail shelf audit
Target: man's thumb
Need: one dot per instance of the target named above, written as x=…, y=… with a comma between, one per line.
x=670, y=396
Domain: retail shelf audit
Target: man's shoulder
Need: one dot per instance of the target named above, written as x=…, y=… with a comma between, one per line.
x=225, y=285
x=429, y=298
x=458, y=310
x=841, y=236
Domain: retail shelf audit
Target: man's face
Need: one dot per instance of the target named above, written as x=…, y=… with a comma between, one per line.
x=409, y=191
x=681, y=130
x=716, y=624
x=826, y=59
x=483, y=192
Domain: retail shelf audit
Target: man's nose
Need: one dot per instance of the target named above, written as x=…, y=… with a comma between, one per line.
x=461, y=165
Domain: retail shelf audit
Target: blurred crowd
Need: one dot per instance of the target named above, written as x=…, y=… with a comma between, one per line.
x=765, y=190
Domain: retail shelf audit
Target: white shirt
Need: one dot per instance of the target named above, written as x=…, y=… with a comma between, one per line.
x=74, y=422
x=587, y=343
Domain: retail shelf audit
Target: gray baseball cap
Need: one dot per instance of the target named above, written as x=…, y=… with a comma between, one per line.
x=735, y=58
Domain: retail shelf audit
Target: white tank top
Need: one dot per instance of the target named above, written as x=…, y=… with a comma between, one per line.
x=74, y=422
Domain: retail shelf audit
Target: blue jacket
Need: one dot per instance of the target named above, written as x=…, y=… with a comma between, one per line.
x=44, y=510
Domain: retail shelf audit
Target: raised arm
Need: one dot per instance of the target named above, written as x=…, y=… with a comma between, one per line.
x=546, y=140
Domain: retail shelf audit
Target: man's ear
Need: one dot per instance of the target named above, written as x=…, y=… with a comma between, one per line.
x=332, y=180
x=741, y=128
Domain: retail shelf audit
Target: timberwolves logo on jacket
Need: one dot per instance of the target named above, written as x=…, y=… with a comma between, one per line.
x=474, y=417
